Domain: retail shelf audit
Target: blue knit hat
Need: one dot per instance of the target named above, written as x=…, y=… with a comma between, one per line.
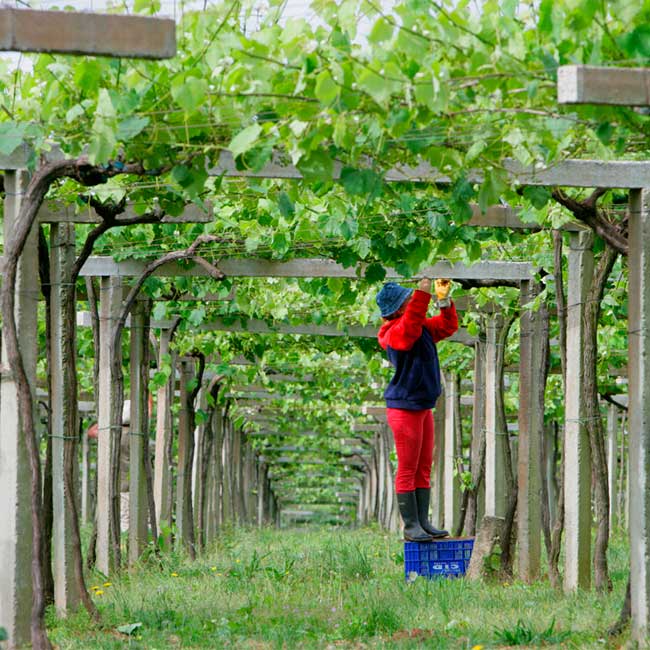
x=391, y=298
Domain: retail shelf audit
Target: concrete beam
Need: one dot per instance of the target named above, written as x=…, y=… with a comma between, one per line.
x=623, y=174
x=588, y=84
x=311, y=268
x=72, y=32
x=58, y=212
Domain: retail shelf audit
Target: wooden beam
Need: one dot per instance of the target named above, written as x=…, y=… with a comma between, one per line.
x=311, y=268
x=58, y=212
x=71, y=32
x=588, y=84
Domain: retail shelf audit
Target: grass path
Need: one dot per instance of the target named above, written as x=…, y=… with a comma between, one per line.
x=329, y=589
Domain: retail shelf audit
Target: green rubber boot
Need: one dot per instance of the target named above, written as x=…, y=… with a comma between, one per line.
x=408, y=508
x=422, y=496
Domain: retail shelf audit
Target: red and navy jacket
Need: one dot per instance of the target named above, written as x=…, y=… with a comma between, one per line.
x=410, y=342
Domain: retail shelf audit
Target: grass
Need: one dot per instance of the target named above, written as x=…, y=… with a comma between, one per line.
x=329, y=588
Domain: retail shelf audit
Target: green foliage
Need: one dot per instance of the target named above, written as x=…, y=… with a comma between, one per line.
x=523, y=634
x=312, y=598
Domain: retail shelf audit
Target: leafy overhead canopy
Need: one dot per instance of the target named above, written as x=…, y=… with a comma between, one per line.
x=433, y=82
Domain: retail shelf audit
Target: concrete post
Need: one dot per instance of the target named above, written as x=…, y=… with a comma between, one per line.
x=452, y=482
x=226, y=464
x=110, y=302
x=577, y=470
x=183, y=522
x=612, y=461
x=495, y=440
x=531, y=427
x=138, y=434
x=64, y=416
x=15, y=477
x=639, y=411
x=162, y=468
x=438, y=469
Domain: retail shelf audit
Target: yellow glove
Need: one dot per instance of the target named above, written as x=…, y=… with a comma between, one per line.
x=442, y=287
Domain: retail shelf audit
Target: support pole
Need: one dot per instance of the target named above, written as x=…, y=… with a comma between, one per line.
x=85, y=478
x=138, y=434
x=577, y=465
x=110, y=302
x=261, y=495
x=64, y=415
x=15, y=477
x=451, y=481
x=531, y=428
x=495, y=440
x=478, y=430
x=639, y=411
x=183, y=521
x=612, y=462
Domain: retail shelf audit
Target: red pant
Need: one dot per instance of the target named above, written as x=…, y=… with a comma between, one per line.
x=413, y=434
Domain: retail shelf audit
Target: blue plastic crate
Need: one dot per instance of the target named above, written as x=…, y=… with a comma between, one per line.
x=438, y=559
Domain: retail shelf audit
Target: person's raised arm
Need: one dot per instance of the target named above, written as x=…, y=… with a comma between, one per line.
x=446, y=323
x=403, y=334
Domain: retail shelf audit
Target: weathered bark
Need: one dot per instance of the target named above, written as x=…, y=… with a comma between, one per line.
x=93, y=308
x=208, y=451
x=144, y=381
x=594, y=423
x=546, y=513
x=187, y=476
x=48, y=509
x=508, y=526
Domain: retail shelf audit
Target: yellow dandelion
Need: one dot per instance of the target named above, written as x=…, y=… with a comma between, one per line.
x=95, y=587
x=213, y=568
x=108, y=584
x=98, y=592
x=174, y=575
x=238, y=561
x=477, y=647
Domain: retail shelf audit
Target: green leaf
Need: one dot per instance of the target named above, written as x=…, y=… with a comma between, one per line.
x=190, y=94
x=473, y=250
x=326, y=89
x=381, y=31
x=287, y=209
x=316, y=166
x=102, y=144
x=491, y=190
x=538, y=196
x=11, y=136
x=130, y=127
x=245, y=139
x=545, y=23
x=361, y=182
x=3, y=634
x=375, y=272
x=604, y=132
x=197, y=316
x=128, y=629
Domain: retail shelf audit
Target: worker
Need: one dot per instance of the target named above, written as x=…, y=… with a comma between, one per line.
x=410, y=338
